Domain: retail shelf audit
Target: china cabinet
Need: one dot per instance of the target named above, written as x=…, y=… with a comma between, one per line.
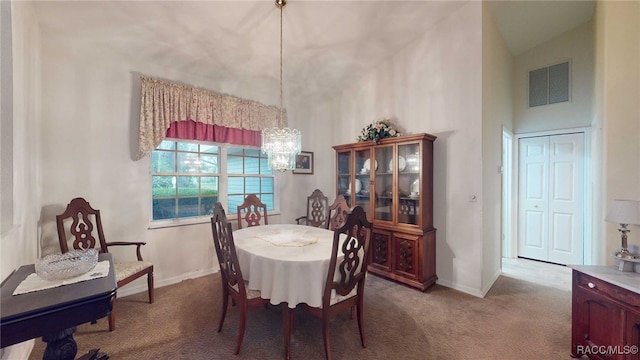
x=393, y=181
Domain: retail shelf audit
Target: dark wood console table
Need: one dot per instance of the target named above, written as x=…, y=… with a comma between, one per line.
x=605, y=313
x=53, y=313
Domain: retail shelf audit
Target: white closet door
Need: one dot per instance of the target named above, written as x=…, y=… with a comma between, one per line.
x=551, y=219
x=533, y=225
x=566, y=198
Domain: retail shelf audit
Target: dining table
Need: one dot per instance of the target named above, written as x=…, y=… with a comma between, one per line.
x=288, y=263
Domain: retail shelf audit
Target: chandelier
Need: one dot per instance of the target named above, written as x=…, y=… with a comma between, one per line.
x=281, y=145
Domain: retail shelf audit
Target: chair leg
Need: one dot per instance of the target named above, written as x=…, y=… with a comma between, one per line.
x=225, y=304
x=359, y=307
x=243, y=322
x=325, y=336
x=150, y=285
x=112, y=316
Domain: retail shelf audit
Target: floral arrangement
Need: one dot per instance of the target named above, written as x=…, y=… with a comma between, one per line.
x=377, y=131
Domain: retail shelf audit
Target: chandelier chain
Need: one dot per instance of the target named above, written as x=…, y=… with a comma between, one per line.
x=281, y=145
x=281, y=96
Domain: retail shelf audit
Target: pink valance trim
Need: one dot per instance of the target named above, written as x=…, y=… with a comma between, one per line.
x=191, y=130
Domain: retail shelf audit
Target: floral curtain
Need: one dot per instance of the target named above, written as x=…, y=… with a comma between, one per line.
x=199, y=114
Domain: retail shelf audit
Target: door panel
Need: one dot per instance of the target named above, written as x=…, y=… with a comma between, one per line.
x=566, y=198
x=551, y=198
x=534, y=164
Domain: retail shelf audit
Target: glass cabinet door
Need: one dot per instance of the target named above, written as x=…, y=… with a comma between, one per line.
x=344, y=174
x=384, y=183
x=408, y=183
x=361, y=182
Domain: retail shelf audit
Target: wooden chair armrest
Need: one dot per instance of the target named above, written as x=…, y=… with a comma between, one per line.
x=301, y=218
x=125, y=243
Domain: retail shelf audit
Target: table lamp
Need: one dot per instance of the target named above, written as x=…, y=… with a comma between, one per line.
x=624, y=212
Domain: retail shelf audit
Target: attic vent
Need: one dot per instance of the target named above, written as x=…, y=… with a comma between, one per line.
x=549, y=85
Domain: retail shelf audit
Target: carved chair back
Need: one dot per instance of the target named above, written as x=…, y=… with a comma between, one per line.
x=233, y=285
x=79, y=224
x=348, y=266
x=252, y=210
x=317, y=209
x=226, y=252
x=344, y=285
x=337, y=213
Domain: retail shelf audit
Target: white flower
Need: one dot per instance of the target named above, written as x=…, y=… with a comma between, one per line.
x=379, y=130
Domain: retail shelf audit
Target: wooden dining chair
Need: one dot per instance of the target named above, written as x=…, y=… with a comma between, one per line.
x=344, y=286
x=337, y=213
x=233, y=284
x=79, y=224
x=317, y=210
x=252, y=210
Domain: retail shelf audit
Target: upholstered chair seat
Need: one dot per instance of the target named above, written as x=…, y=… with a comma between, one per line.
x=127, y=268
x=251, y=294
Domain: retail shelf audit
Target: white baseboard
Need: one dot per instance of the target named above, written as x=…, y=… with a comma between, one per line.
x=464, y=289
x=493, y=280
x=130, y=290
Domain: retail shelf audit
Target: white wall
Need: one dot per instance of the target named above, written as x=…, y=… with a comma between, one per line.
x=6, y=119
x=497, y=112
x=89, y=125
x=18, y=242
x=618, y=105
x=434, y=86
x=18, y=245
x=575, y=46
x=316, y=137
x=86, y=98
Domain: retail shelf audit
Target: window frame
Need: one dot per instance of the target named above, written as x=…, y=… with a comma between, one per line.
x=223, y=177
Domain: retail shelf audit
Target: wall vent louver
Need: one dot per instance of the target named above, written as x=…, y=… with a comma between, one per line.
x=549, y=85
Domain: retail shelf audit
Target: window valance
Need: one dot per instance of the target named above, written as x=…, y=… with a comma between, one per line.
x=163, y=103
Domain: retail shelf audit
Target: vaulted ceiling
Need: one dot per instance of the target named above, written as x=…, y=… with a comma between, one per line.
x=327, y=44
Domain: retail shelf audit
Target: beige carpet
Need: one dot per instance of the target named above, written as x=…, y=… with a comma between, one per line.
x=517, y=320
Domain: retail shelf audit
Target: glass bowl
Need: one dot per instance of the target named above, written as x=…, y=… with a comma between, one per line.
x=68, y=265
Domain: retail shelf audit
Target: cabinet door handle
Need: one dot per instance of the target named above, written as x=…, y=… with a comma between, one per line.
x=591, y=285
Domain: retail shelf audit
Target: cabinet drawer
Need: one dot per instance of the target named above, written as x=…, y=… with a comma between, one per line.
x=607, y=289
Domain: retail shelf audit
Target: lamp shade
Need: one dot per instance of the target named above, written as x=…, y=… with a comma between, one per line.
x=624, y=212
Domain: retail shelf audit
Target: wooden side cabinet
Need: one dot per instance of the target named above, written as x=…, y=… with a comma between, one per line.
x=605, y=313
x=393, y=181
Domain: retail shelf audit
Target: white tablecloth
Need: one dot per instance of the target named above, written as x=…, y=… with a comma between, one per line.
x=287, y=263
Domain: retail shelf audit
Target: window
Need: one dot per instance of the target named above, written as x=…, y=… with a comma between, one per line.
x=549, y=85
x=188, y=178
x=248, y=173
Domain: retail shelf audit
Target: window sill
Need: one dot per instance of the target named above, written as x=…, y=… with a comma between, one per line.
x=161, y=224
